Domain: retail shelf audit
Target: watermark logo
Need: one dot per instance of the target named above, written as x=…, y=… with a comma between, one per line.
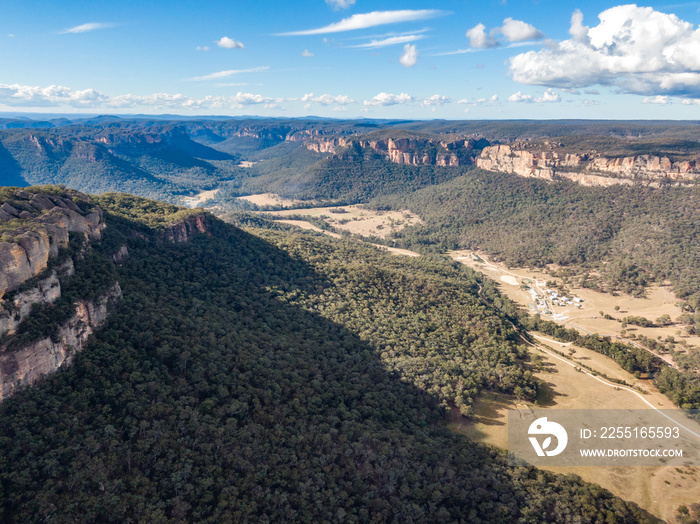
x=542, y=426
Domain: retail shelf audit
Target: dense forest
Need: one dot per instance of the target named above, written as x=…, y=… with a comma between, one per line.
x=267, y=376
x=629, y=236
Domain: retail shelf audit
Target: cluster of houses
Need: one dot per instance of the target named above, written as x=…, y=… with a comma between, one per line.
x=555, y=298
x=560, y=300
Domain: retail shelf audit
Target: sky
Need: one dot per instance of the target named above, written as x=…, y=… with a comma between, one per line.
x=410, y=59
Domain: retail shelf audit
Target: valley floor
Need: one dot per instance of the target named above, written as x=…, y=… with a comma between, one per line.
x=659, y=490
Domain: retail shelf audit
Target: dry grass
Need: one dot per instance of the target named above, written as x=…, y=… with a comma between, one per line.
x=199, y=198
x=269, y=199
x=659, y=301
x=659, y=490
x=359, y=220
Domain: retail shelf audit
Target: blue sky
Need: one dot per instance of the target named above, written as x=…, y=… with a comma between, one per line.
x=353, y=58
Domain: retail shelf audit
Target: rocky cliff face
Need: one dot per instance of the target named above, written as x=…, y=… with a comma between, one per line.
x=584, y=168
x=405, y=151
x=184, y=230
x=34, y=227
x=26, y=365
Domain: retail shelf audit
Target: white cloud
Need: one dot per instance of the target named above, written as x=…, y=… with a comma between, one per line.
x=519, y=97
x=436, y=100
x=658, y=99
x=340, y=4
x=478, y=38
x=373, y=19
x=547, y=97
x=248, y=99
x=328, y=100
x=479, y=101
x=386, y=99
x=392, y=40
x=577, y=30
x=230, y=72
x=229, y=43
x=691, y=101
x=30, y=96
x=16, y=95
x=84, y=28
x=637, y=49
x=518, y=31
x=409, y=57
x=515, y=31
x=306, y=53
x=202, y=48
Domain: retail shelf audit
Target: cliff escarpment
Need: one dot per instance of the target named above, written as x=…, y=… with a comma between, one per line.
x=58, y=273
x=405, y=151
x=591, y=169
x=24, y=365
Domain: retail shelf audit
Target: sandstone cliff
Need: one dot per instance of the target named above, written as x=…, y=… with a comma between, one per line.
x=586, y=168
x=27, y=364
x=412, y=151
x=183, y=230
x=34, y=227
x=35, y=224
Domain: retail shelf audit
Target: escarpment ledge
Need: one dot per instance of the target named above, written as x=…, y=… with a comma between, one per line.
x=585, y=168
x=34, y=227
x=35, y=224
x=25, y=365
x=183, y=230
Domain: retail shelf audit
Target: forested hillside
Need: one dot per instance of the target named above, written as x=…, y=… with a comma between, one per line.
x=269, y=376
x=630, y=236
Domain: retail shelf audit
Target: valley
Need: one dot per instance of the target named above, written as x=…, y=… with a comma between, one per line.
x=268, y=349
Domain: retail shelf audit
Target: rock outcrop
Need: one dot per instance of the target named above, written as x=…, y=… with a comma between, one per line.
x=585, y=168
x=405, y=151
x=183, y=230
x=25, y=365
x=34, y=227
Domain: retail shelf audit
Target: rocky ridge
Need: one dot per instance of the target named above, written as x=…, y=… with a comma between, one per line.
x=36, y=224
x=585, y=168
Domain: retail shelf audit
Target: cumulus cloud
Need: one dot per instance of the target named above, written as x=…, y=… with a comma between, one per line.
x=637, y=49
x=479, y=101
x=373, y=19
x=386, y=99
x=658, y=99
x=519, y=97
x=409, y=57
x=548, y=96
x=340, y=4
x=436, y=100
x=306, y=53
x=229, y=72
x=691, y=101
x=328, y=100
x=518, y=31
x=392, y=40
x=84, y=28
x=514, y=31
x=202, y=48
x=16, y=95
x=229, y=43
x=478, y=38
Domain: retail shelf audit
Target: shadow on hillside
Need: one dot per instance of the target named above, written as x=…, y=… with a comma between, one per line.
x=10, y=170
x=209, y=397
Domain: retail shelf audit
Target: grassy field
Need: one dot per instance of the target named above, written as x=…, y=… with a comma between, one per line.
x=354, y=219
x=200, y=198
x=659, y=301
x=660, y=490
